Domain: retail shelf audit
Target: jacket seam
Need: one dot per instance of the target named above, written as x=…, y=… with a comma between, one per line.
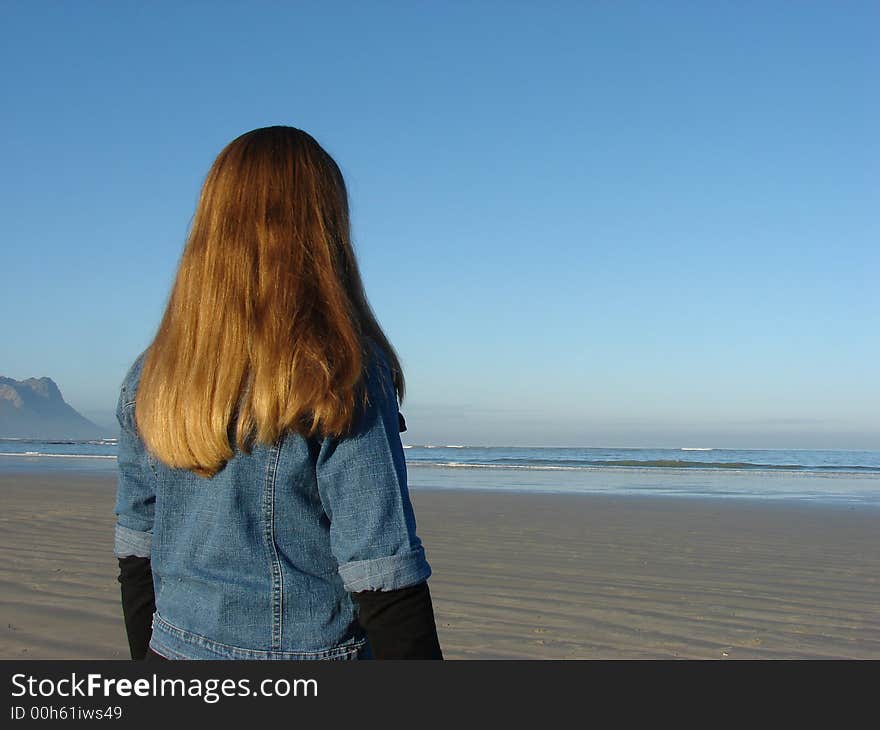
x=277, y=577
x=195, y=639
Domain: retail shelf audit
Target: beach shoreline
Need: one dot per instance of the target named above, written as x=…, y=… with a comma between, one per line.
x=515, y=575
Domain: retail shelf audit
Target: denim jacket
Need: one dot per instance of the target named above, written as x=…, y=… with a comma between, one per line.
x=259, y=561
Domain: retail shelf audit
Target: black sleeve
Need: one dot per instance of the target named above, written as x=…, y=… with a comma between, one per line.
x=138, y=603
x=400, y=623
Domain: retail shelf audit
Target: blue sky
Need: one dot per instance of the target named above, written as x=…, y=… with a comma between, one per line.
x=585, y=224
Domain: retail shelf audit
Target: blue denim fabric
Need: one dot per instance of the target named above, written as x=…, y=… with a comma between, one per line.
x=258, y=562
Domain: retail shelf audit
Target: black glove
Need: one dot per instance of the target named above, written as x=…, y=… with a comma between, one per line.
x=400, y=624
x=138, y=603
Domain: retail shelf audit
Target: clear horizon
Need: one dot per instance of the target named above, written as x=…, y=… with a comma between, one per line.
x=633, y=225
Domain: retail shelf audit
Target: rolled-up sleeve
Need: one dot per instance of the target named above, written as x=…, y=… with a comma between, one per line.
x=363, y=488
x=135, y=493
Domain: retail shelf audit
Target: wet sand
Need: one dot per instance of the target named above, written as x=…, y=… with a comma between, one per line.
x=516, y=576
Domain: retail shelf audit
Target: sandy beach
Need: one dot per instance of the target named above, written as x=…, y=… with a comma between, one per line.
x=516, y=576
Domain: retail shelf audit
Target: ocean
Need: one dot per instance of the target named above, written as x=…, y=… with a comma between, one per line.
x=839, y=477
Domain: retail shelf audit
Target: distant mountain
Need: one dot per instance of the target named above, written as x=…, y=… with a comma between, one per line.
x=35, y=408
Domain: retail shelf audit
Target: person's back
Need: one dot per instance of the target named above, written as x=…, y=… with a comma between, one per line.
x=292, y=540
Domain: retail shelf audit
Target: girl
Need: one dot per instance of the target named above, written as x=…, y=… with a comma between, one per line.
x=262, y=506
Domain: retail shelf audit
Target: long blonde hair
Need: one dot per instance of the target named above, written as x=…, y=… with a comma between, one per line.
x=267, y=326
